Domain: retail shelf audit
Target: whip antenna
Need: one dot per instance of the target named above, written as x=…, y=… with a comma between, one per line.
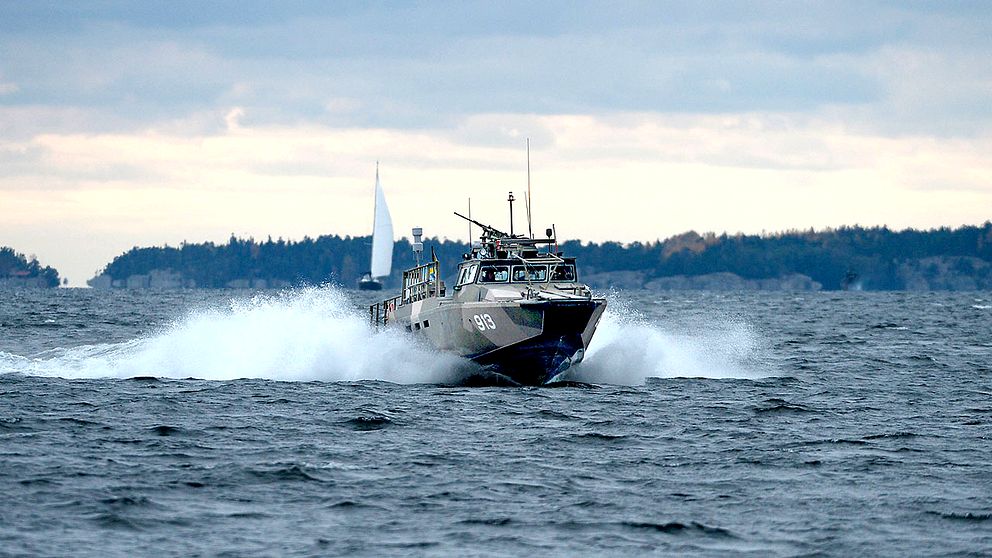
x=530, y=231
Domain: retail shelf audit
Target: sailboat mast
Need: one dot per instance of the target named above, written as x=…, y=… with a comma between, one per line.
x=375, y=198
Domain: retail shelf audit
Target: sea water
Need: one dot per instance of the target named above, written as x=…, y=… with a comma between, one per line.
x=224, y=423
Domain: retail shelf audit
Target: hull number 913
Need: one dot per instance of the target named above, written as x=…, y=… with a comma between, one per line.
x=484, y=322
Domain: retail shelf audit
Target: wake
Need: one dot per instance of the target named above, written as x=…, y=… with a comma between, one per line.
x=627, y=349
x=317, y=334
x=301, y=335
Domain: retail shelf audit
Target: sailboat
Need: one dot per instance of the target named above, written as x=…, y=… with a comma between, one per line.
x=382, y=241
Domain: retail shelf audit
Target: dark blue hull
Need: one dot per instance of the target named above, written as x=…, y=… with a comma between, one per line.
x=562, y=344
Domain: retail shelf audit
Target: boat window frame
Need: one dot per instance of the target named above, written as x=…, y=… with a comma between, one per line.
x=575, y=275
x=504, y=267
x=467, y=275
x=527, y=268
x=462, y=274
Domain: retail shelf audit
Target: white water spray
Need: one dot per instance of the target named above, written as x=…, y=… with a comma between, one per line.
x=627, y=349
x=318, y=334
x=306, y=334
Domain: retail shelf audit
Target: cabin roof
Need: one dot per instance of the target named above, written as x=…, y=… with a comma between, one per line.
x=539, y=260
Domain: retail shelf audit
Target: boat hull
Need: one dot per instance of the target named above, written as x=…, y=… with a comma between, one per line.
x=369, y=285
x=529, y=342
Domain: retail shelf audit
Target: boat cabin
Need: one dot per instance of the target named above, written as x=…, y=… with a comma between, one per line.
x=516, y=271
x=515, y=260
x=498, y=258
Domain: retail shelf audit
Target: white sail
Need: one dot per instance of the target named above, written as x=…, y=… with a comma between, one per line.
x=382, y=234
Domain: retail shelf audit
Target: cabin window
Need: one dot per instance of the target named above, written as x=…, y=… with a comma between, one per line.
x=563, y=273
x=467, y=274
x=537, y=273
x=494, y=274
x=472, y=272
x=427, y=324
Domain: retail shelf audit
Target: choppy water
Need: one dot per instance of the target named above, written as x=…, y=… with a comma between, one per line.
x=139, y=423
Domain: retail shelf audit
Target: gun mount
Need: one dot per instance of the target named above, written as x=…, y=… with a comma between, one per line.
x=487, y=231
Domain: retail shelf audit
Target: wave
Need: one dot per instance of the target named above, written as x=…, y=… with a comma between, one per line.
x=317, y=334
x=628, y=348
x=301, y=335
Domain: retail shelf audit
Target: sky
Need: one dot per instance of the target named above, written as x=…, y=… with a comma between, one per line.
x=150, y=123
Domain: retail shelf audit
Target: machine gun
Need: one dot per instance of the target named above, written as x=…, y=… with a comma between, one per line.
x=487, y=231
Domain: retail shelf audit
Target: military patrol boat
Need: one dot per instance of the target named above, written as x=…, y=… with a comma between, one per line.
x=516, y=308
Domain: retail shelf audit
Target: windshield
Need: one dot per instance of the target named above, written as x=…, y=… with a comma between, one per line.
x=563, y=273
x=537, y=273
x=467, y=274
x=494, y=274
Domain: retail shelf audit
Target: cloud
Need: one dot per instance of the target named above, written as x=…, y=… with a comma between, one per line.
x=7, y=87
x=934, y=92
x=233, y=118
x=405, y=65
x=236, y=157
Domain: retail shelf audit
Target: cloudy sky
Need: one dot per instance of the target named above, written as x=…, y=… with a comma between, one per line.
x=146, y=123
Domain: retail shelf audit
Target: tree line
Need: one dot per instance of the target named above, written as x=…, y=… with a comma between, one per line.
x=831, y=257
x=14, y=265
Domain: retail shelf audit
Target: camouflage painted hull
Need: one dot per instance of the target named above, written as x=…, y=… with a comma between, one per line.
x=528, y=341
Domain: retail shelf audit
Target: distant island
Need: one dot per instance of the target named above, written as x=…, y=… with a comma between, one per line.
x=851, y=258
x=19, y=271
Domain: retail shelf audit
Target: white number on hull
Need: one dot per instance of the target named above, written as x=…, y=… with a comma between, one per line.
x=484, y=322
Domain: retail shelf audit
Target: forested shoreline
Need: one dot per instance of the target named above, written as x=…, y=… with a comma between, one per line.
x=17, y=270
x=875, y=258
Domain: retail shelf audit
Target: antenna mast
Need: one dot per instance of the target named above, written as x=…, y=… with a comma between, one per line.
x=418, y=243
x=530, y=230
x=510, y=199
x=470, y=223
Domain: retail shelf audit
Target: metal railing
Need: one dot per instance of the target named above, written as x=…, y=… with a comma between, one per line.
x=419, y=283
x=380, y=311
